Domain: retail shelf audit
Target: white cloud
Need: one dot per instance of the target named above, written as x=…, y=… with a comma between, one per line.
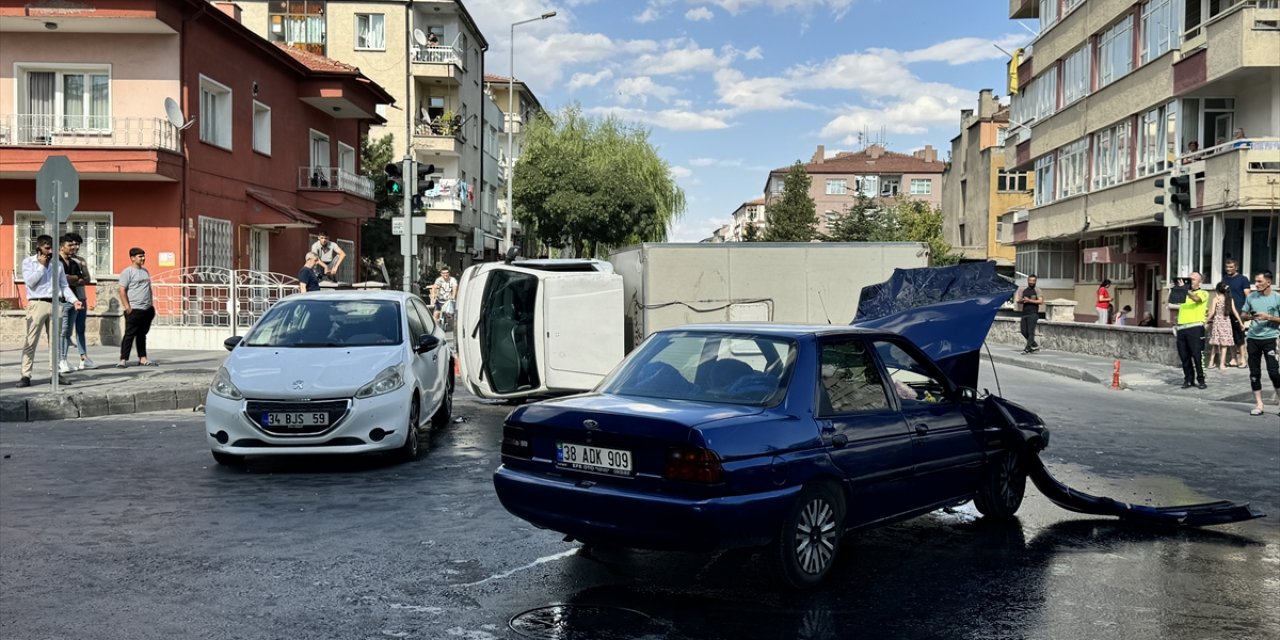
x=672, y=119
x=690, y=230
x=755, y=94
x=680, y=172
x=653, y=11
x=580, y=80
x=703, y=162
x=699, y=13
x=838, y=7
x=641, y=88
x=682, y=60
x=966, y=50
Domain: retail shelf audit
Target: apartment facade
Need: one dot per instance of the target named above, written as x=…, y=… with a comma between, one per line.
x=977, y=191
x=1114, y=94
x=269, y=157
x=874, y=172
x=429, y=54
x=518, y=106
x=748, y=214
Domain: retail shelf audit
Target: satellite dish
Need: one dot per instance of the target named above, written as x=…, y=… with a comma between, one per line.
x=420, y=37
x=175, y=114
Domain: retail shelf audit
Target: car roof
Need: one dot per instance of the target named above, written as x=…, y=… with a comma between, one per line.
x=782, y=330
x=352, y=294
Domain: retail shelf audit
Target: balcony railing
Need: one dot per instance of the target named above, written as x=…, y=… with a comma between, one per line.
x=437, y=55
x=333, y=179
x=1230, y=146
x=87, y=131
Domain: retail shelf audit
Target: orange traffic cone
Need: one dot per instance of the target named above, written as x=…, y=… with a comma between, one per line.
x=1115, y=376
x=457, y=368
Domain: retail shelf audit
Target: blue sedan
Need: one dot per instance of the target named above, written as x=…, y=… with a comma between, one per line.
x=720, y=436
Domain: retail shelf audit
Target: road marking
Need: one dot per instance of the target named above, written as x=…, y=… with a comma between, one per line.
x=545, y=559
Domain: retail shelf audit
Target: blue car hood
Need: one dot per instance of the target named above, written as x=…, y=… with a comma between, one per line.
x=946, y=311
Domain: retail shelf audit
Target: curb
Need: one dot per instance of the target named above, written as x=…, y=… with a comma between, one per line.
x=89, y=405
x=1047, y=367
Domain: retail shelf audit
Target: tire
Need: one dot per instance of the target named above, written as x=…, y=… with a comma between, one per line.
x=227, y=459
x=443, y=415
x=807, y=545
x=1004, y=483
x=409, y=451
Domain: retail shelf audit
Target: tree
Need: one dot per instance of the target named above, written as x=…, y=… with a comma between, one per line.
x=917, y=221
x=792, y=217
x=592, y=184
x=751, y=233
x=861, y=223
x=376, y=240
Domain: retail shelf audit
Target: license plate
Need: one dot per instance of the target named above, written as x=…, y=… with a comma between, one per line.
x=296, y=419
x=598, y=459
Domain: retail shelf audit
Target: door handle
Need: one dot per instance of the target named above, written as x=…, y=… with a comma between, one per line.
x=839, y=441
x=922, y=429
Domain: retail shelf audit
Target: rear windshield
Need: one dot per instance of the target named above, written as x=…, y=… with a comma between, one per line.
x=328, y=323
x=730, y=368
x=506, y=331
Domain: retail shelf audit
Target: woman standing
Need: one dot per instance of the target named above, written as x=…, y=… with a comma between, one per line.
x=1103, y=305
x=1222, y=312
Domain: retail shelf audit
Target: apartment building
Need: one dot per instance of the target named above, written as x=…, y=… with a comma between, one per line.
x=429, y=54
x=748, y=214
x=977, y=191
x=269, y=157
x=1113, y=94
x=874, y=172
x=519, y=106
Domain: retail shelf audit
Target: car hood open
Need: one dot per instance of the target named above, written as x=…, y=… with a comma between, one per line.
x=276, y=372
x=946, y=311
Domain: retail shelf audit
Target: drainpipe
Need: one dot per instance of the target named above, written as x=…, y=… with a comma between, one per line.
x=481, y=184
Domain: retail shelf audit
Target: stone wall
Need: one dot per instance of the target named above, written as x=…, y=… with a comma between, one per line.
x=101, y=327
x=1143, y=344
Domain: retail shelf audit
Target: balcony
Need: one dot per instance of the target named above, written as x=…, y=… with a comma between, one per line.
x=1236, y=174
x=1023, y=9
x=438, y=62
x=333, y=179
x=87, y=131
x=1238, y=44
x=431, y=138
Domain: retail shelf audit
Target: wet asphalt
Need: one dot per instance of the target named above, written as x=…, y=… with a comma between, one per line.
x=123, y=527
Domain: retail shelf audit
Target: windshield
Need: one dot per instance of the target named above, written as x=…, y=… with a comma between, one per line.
x=328, y=323
x=731, y=368
x=506, y=331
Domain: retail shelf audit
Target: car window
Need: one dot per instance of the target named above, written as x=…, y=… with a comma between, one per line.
x=424, y=313
x=850, y=380
x=320, y=322
x=707, y=367
x=416, y=326
x=913, y=381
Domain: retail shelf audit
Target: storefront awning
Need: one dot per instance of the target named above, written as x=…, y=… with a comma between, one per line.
x=276, y=214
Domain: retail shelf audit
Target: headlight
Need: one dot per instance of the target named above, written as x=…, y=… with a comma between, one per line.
x=222, y=386
x=389, y=380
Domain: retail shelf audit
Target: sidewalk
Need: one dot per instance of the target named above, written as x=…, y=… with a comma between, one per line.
x=1231, y=385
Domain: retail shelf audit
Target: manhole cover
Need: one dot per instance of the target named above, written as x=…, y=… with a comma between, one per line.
x=580, y=622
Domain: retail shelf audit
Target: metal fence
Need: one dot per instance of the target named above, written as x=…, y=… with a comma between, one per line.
x=217, y=297
x=87, y=131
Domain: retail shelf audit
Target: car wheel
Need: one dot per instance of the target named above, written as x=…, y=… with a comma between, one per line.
x=227, y=459
x=440, y=419
x=810, y=537
x=1003, y=485
x=409, y=450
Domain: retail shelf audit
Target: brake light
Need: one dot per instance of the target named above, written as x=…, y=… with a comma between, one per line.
x=691, y=464
x=515, y=442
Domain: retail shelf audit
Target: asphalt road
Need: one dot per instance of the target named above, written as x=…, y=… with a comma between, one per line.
x=125, y=528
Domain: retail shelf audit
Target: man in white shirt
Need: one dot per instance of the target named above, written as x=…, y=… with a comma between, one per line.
x=37, y=275
x=330, y=255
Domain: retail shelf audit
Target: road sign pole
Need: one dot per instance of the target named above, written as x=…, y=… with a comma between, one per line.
x=408, y=241
x=55, y=269
x=57, y=193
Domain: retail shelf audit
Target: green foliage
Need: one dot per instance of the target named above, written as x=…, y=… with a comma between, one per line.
x=593, y=184
x=376, y=240
x=792, y=217
x=751, y=233
x=899, y=220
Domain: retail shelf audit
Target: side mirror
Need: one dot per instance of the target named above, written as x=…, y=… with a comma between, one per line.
x=427, y=342
x=230, y=343
x=968, y=395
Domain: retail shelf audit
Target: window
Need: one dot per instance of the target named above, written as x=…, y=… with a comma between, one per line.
x=297, y=23
x=1044, y=182
x=1200, y=248
x=370, y=32
x=1072, y=165
x=1159, y=28
x=1157, y=130
x=215, y=113
x=1048, y=13
x=705, y=367
x=868, y=186
x=836, y=187
x=67, y=98
x=1045, y=96
x=1071, y=4
x=776, y=186
x=1115, y=52
x=921, y=186
x=1007, y=182
x=1115, y=271
x=346, y=158
x=261, y=128
x=1048, y=260
x=1111, y=156
x=319, y=151
x=889, y=187
x=347, y=270
x=94, y=227
x=1002, y=135
x=215, y=243
x=913, y=381
x=851, y=381
x=1076, y=75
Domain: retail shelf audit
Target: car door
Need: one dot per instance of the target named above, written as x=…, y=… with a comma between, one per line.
x=865, y=434
x=426, y=366
x=946, y=447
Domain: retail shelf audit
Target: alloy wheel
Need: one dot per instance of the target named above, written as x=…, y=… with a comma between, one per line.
x=815, y=536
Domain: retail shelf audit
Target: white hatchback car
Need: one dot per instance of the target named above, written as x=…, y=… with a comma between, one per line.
x=332, y=372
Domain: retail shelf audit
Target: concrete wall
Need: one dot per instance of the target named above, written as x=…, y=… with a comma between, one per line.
x=1143, y=344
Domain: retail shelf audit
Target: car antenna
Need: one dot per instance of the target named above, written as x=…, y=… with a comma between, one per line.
x=824, y=307
x=999, y=391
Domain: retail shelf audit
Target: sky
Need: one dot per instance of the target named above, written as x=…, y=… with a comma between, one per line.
x=731, y=89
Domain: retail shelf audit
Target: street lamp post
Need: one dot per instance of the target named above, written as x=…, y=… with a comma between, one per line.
x=511, y=92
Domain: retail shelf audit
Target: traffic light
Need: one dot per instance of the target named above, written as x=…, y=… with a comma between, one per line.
x=425, y=182
x=1175, y=197
x=395, y=179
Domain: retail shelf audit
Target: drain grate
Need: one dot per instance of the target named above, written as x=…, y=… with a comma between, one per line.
x=581, y=622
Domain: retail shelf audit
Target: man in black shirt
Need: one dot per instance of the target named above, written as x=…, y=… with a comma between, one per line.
x=1031, y=302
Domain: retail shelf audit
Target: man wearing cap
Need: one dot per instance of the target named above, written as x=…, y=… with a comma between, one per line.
x=1190, y=334
x=135, y=300
x=37, y=276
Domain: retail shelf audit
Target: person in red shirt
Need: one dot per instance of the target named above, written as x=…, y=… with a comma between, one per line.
x=1103, y=305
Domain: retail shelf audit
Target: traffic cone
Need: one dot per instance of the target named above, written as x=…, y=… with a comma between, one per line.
x=457, y=368
x=1115, y=376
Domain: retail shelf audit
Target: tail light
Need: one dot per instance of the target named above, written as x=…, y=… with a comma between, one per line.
x=691, y=464
x=515, y=443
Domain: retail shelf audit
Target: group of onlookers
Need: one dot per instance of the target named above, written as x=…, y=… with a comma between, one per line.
x=69, y=293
